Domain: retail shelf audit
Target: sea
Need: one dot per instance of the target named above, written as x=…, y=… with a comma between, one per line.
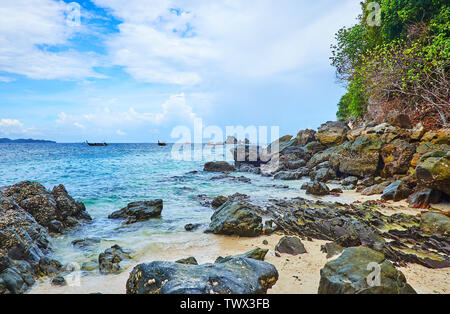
x=107, y=178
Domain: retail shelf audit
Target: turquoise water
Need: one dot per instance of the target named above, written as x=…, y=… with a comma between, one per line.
x=108, y=178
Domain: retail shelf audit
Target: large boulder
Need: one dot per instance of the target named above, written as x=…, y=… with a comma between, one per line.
x=139, y=211
x=425, y=148
x=23, y=244
x=358, y=158
x=433, y=171
x=280, y=144
x=317, y=188
x=236, y=218
x=305, y=137
x=356, y=271
x=397, y=157
x=435, y=223
x=218, y=166
x=324, y=175
x=238, y=275
x=396, y=191
x=55, y=210
x=332, y=133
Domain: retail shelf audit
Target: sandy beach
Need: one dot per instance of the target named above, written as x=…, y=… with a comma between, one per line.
x=297, y=274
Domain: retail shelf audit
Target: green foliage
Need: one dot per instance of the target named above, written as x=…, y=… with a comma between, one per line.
x=407, y=56
x=353, y=103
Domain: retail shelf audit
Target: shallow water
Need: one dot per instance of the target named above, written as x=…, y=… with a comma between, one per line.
x=108, y=178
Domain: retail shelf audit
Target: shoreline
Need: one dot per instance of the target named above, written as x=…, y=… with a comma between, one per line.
x=297, y=274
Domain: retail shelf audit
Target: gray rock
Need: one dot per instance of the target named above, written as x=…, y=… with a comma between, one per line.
x=188, y=261
x=237, y=275
x=139, y=211
x=375, y=189
x=332, y=133
x=350, y=181
x=317, y=188
x=55, y=210
x=290, y=245
x=218, y=166
x=192, y=227
x=109, y=261
x=352, y=272
x=331, y=249
x=324, y=175
x=236, y=218
x=288, y=175
x=396, y=191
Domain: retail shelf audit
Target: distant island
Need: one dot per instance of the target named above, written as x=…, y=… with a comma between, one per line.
x=21, y=140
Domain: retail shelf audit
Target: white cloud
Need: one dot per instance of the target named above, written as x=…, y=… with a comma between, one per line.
x=173, y=110
x=11, y=127
x=255, y=39
x=121, y=133
x=27, y=32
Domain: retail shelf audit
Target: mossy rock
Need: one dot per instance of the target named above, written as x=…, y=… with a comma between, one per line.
x=433, y=171
x=355, y=271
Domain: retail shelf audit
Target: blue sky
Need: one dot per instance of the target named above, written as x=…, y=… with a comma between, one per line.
x=132, y=70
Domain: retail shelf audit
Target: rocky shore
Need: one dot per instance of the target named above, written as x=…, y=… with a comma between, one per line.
x=390, y=163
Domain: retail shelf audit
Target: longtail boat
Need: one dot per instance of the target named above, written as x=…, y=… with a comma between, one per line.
x=97, y=144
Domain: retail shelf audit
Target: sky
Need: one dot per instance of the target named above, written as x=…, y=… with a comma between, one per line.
x=131, y=71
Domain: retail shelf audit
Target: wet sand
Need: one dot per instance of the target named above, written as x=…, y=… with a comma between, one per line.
x=297, y=274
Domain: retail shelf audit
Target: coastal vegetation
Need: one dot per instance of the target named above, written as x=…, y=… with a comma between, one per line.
x=400, y=62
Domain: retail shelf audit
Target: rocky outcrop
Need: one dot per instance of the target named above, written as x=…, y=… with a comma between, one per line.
x=250, y=155
x=397, y=236
x=305, y=137
x=290, y=245
x=361, y=270
x=238, y=275
x=236, y=218
x=358, y=158
x=218, y=166
x=139, y=211
x=24, y=246
x=397, y=157
x=317, y=188
x=332, y=133
x=433, y=171
x=55, y=210
x=109, y=261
